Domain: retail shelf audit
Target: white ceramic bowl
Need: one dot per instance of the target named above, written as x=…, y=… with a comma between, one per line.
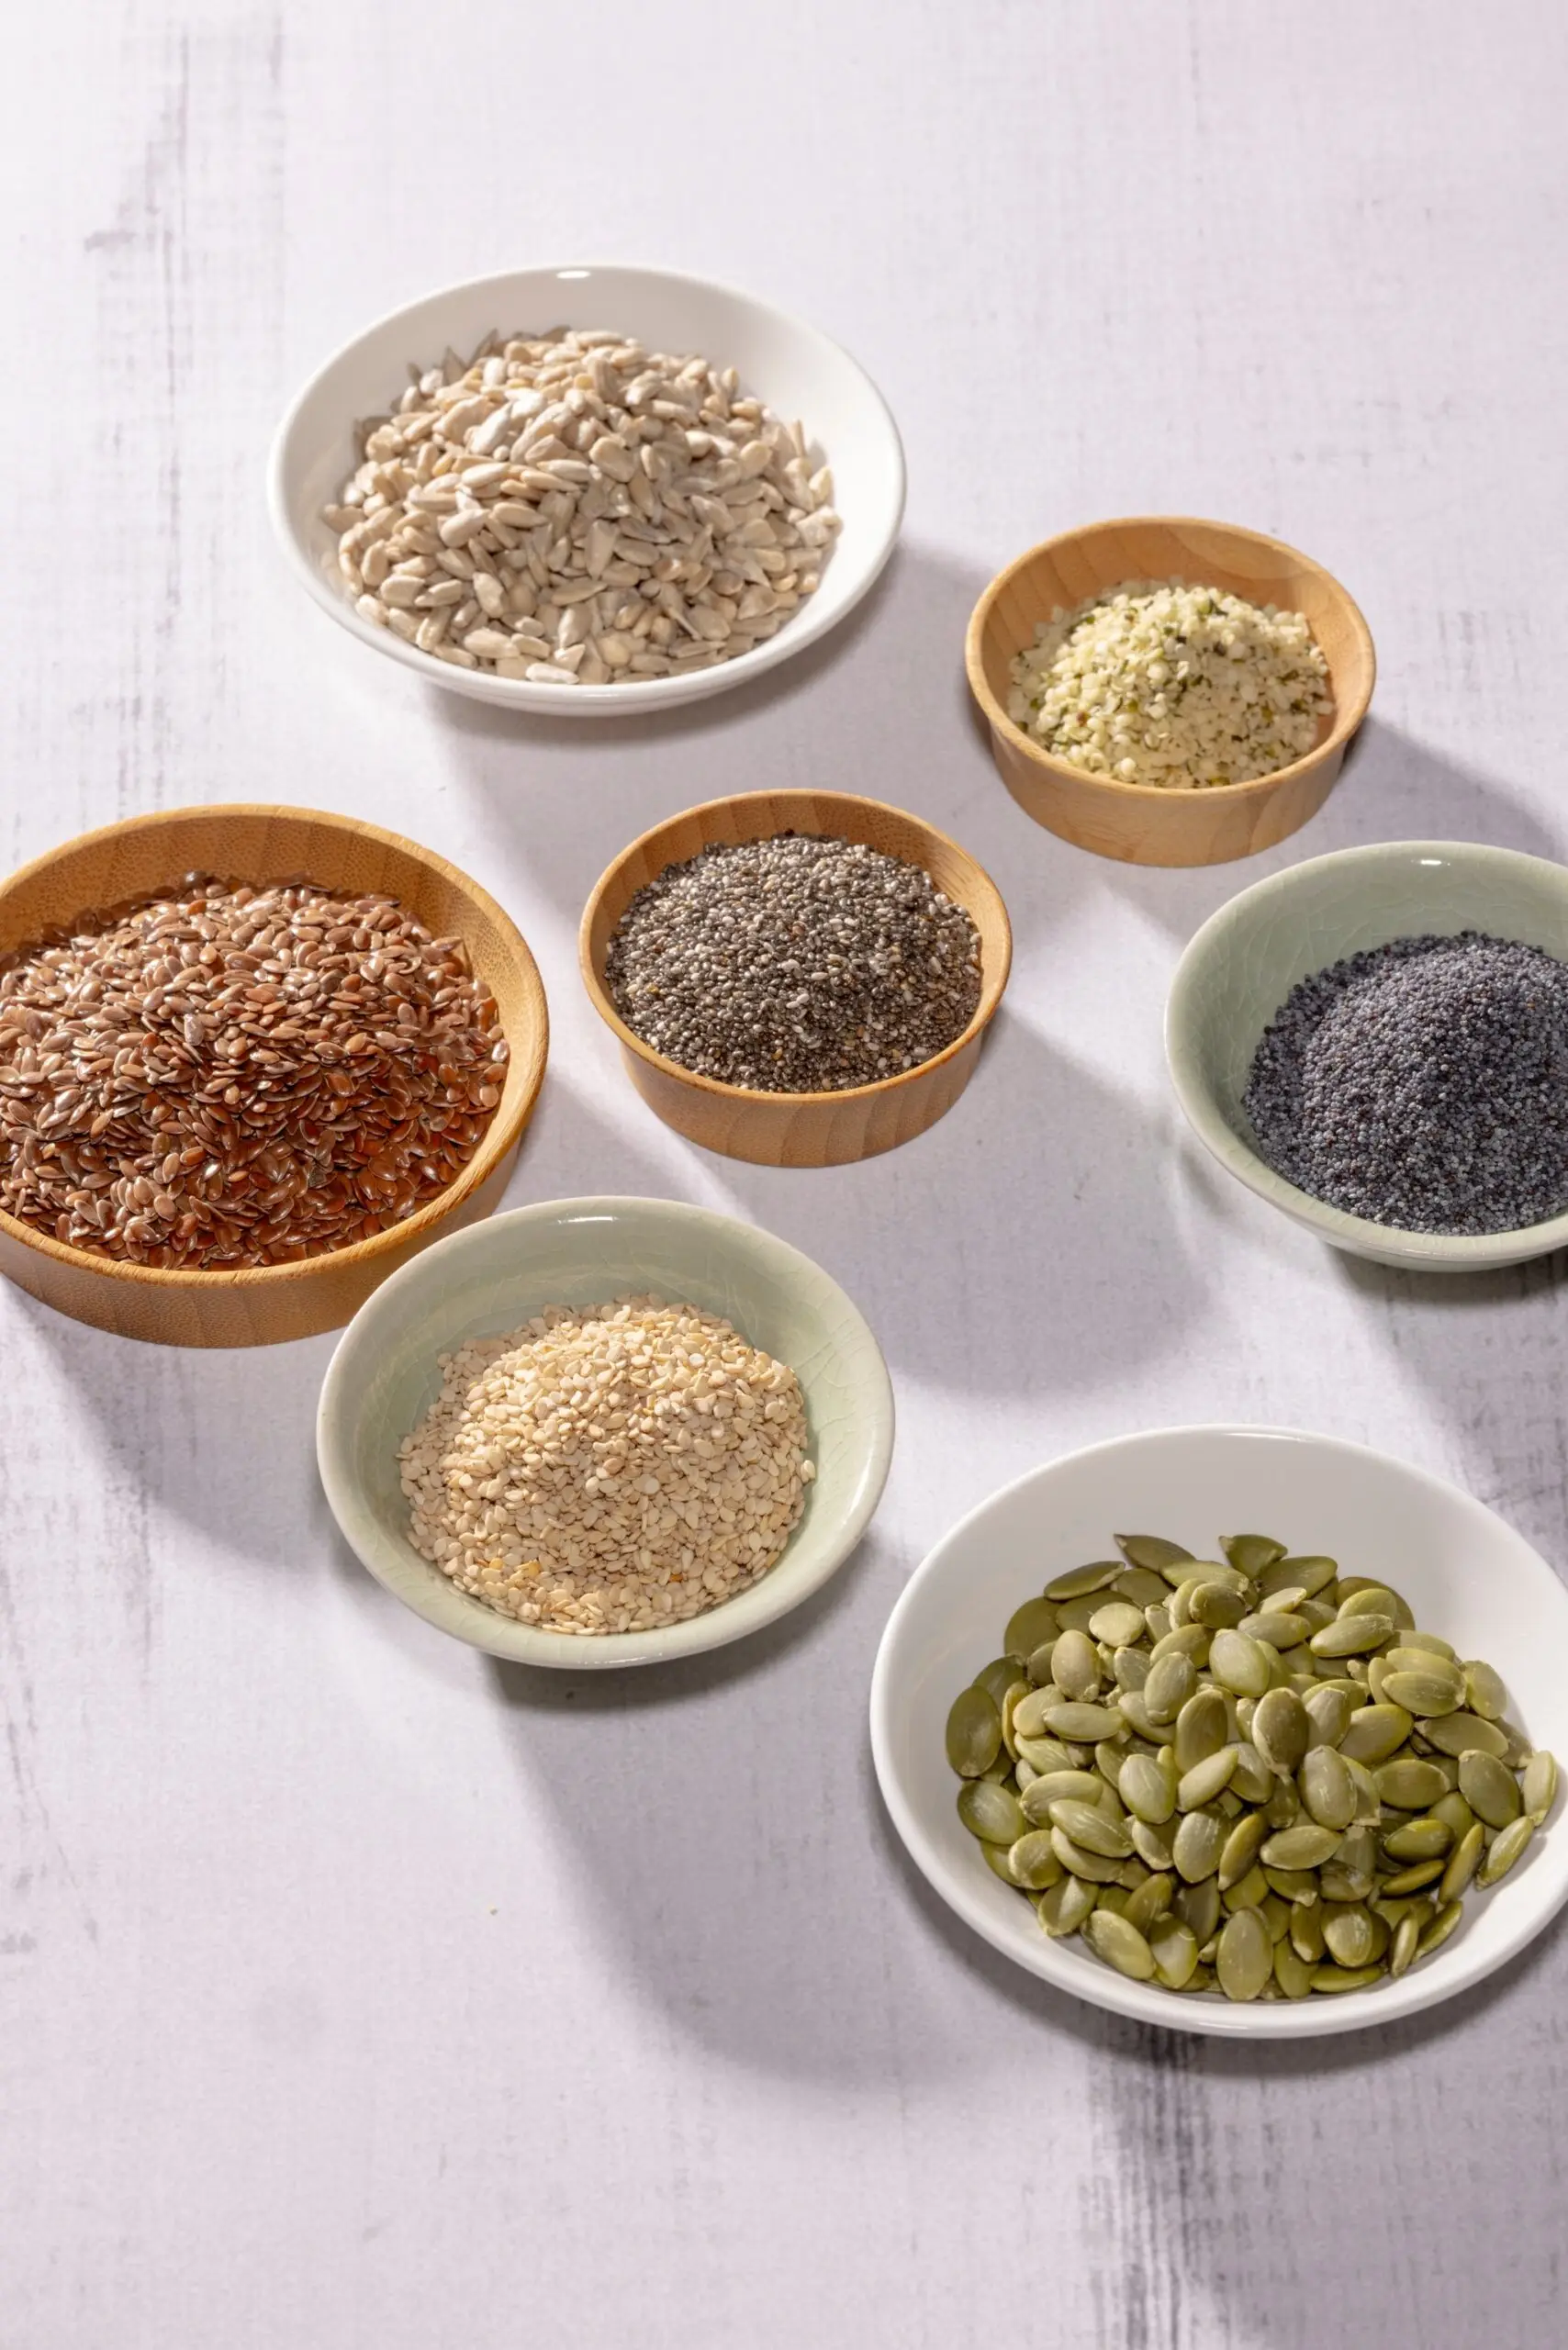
x=494, y=1277
x=799, y=372
x=1243, y=963
x=1466, y=1576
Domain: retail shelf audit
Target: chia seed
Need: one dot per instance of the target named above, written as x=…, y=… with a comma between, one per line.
x=795, y=965
x=1423, y=1085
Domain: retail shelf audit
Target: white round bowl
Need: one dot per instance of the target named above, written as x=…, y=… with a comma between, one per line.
x=1243, y=963
x=1466, y=1576
x=494, y=1277
x=799, y=372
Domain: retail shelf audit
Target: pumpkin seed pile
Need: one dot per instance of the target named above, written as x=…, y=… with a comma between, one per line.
x=1251, y=1775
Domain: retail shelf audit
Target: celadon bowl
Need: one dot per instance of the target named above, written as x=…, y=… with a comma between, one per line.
x=494, y=1277
x=1467, y=1576
x=1245, y=960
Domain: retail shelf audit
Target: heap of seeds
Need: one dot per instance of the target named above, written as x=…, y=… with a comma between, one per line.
x=1177, y=687
x=608, y=1469
x=572, y=509
x=1255, y=1775
x=1423, y=1085
x=795, y=965
x=221, y=1076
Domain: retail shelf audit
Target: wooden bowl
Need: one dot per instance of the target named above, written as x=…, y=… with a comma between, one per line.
x=1141, y=823
x=800, y=1129
x=260, y=845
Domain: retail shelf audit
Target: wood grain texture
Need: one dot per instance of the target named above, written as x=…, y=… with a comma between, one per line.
x=355, y=1995
x=270, y=1304
x=800, y=1129
x=1140, y=824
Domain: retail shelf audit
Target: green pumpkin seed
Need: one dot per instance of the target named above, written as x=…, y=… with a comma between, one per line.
x=1292, y=1971
x=1348, y=1933
x=974, y=1732
x=1152, y=1842
x=1217, y=1608
x=1280, y=1730
x=1172, y=1681
x=1253, y=1781
x=1174, y=1949
x=1149, y=1900
x=1095, y=1868
x=1119, y=1944
x=1360, y=1597
x=1434, y=1936
x=1079, y=1582
x=1461, y=1863
x=1241, y=1848
x=1250, y=1891
x=1419, y=1693
x=1308, y=1573
x=1031, y=1862
x=1135, y=1717
x=1251, y=1554
x=1408, y=1784
x=1459, y=1734
x=996, y=1857
x=1183, y=1640
x=1206, y=1779
x=1077, y=1614
x=1198, y=1905
x=1028, y=1626
x=1157, y=1621
x=1326, y=1789
x=1375, y=1732
x=1059, y=1786
x=1195, y=1847
x=1009, y=1707
x=1153, y=1551
x=1351, y=1636
x=990, y=1812
x=1043, y=1754
x=1489, y=1787
x=998, y=1676
x=1037, y=1668
x=1506, y=1847
x=1131, y=1668
x=1305, y=1847
x=1345, y=1978
x=1293, y=1885
x=1239, y=1663
x=1146, y=1789
x=1202, y=1727
x=1281, y=1630
x=1453, y=1809
x=1484, y=1692
x=1142, y=1586
x=1538, y=1788
x=1329, y=1711
x=1075, y=1666
x=1419, y=1839
x=1113, y=1899
x=1245, y=1959
x=1096, y=1830
x=1307, y=1931
x=1083, y=1723
x=1402, y=1658
x=1368, y=1803
x=1062, y=1908
x=1118, y=1621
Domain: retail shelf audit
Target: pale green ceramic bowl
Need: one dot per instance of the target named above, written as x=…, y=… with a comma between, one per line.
x=1244, y=962
x=494, y=1277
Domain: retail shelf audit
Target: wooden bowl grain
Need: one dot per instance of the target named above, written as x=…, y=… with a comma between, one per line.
x=1139, y=824
x=260, y=845
x=800, y=1129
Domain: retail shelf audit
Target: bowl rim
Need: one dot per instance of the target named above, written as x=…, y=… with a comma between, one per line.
x=649, y=693
x=1429, y=1251
x=501, y=1136
x=994, y=986
x=570, y=1651
x=1305, y=2019
x=1346, y=719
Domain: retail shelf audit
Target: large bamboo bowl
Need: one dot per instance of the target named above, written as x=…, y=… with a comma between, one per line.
x=800, y=1129
x=1140, y=824
x=260, y=845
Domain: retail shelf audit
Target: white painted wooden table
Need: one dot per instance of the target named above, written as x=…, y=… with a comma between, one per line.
x=355, y=1992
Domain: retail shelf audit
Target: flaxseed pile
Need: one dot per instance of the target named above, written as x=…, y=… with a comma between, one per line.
x=1423, y=1084
x=608, y=1469
x=795, y=965
x=226, y=1077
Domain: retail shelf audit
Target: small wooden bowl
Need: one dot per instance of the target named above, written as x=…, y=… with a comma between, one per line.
x=800, y=1129
x=1140, y=822
x=259, y=844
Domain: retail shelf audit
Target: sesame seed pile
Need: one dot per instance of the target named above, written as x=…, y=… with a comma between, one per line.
x=795, y=965
x=1423, y=1085
x=608, y=1469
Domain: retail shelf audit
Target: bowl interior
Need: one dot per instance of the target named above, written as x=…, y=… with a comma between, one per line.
x=1239, y=970
x=265, y=843
x=1466, y=1576
x=759, y=815
x=492, y=1278
x=1086, y=563
x=799, y=372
